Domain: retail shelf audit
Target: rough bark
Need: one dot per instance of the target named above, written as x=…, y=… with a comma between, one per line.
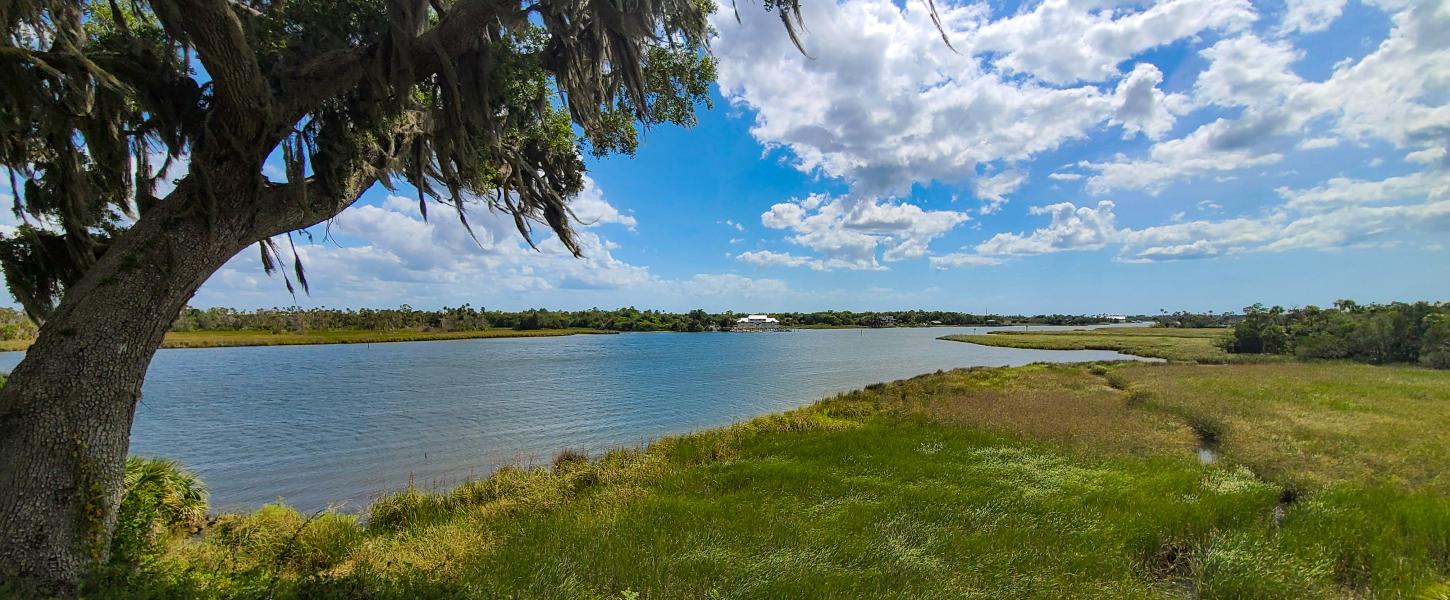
x=66, y=410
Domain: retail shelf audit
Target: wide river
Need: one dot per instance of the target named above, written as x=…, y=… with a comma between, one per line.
x=320, y=425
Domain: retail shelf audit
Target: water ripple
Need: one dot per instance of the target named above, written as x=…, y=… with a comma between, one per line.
x=320, y=424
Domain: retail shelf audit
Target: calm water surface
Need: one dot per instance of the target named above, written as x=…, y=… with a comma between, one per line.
x=341, y=424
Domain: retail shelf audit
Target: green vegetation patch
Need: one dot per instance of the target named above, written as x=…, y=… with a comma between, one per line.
x=1181, y=345
x=1317, y=423
x=1041, y=481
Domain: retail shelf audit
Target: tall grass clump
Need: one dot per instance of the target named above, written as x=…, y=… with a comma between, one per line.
x=1346, y=541
x=1374, y=537
x=278, y=539
x=510, y=490
x=569, y=457
x=1116, y=380
x=1210, y=429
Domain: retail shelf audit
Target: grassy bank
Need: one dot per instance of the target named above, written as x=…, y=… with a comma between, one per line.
x=1181, y=345
x=218, y=339
x=1043, y=481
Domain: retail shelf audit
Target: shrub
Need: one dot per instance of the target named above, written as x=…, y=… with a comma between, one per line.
x=1321, y=345
x=569, y=457
x=1435, y=345
x=1375, y=339
x=162, y=501
x=1437, y=359
x=1259, y=333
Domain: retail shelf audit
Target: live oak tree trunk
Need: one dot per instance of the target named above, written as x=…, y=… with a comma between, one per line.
x=66, y=409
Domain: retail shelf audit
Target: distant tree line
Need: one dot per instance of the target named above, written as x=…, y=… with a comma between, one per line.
x=467, y=318
x=14, y=325
x=293, y=319
x=917, y=318
x=1192, y=320
x=1374, y=333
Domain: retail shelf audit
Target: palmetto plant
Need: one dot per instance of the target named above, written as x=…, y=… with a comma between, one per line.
x=180, y=496
x=162, y=500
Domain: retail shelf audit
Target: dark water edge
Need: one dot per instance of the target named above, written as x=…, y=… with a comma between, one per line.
x=342, y=424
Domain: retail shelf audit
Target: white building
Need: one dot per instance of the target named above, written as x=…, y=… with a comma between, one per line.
x=757, y=322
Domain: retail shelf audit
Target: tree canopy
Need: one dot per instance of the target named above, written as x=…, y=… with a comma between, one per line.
x=472, y=102
x=1398, y=332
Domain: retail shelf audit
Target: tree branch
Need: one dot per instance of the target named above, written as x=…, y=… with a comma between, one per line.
x=298, y=205
x=334, y=72
x=243, y=100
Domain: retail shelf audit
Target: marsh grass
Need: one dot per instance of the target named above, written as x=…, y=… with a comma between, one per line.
x=1316, y=423
x=1044, y=481
x=1058, y=403
x=1172, y=344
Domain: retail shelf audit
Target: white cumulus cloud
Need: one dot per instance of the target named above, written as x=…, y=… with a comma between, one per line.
x=1072, y=228
x=1064, y=41
x=884, y=103
x=1308, y=16
x=847, y=232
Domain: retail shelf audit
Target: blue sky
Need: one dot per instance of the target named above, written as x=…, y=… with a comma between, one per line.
x=1072, y=156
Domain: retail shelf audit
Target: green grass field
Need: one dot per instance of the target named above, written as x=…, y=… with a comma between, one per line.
x=1179, y=345
x=1050, y=481
x=219, y=339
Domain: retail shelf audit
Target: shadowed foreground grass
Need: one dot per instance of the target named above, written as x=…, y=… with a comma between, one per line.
x=1044, y=481
x=1178, y=345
